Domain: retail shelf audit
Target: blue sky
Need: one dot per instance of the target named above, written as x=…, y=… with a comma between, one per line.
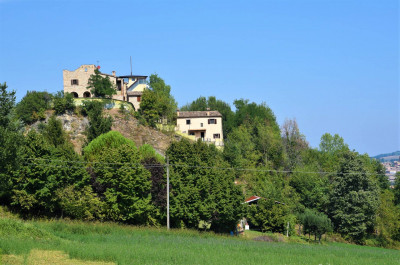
x=332, y=65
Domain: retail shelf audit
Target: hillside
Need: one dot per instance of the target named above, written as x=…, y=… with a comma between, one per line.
x=126, y=124
x=388, y=156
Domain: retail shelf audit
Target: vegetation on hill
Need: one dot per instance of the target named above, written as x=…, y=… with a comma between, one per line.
x=157, y=104
x=113, y=180
x=397, y=153
x=101, y=87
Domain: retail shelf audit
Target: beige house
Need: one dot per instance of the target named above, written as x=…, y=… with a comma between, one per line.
x=205, y=125
x=129, y=87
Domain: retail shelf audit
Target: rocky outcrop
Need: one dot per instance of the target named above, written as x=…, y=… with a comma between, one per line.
x=126, y=124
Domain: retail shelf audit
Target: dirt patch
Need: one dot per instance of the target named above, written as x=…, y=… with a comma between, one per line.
x=39, y=257
x=264, y=239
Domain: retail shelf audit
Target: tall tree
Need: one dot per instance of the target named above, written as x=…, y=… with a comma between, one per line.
x=201, y=191
x=396, y=189
x=120, y=180
x=353, y=199
x=10, y=142
x=100, y=86
x=157, y=102
x=46, y=171
x=32, y=106
x=98, y=124
x=294, y=143
x=331, y=144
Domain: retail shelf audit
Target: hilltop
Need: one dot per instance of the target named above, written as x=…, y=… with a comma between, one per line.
x=388, y=156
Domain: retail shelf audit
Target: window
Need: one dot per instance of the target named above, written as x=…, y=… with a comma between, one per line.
x=191, y=133
x=201, y=124
x=212, y=121
x=139, y=98
x=217, y=136
x=187, y=122
x=74, y=82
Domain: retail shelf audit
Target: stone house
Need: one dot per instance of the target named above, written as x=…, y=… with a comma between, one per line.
x=204, y=125
x=128, y=87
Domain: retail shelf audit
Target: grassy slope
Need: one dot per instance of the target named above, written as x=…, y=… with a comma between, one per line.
x=133, y=245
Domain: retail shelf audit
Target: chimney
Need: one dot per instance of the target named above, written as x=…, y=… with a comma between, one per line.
x=113, y=73
x=177, y=112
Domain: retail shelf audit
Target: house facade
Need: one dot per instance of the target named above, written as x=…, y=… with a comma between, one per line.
x=129, y=87
x=204, y=125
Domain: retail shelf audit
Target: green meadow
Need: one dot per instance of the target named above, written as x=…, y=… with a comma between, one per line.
x=69, y=242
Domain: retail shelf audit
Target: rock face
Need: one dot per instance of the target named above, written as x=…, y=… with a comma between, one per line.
x=130, y=128
x=127, y=125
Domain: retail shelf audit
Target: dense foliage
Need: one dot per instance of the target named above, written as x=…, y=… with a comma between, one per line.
x=63, y=102
x=98, y=123
x=100, y=86
x=201, y=192
x=32, y=107
x=157, y=104
x=327, y=189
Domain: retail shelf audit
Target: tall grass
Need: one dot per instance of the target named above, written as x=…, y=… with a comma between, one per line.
x=135, y=245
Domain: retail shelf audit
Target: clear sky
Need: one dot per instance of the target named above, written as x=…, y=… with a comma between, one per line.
x=332, y=65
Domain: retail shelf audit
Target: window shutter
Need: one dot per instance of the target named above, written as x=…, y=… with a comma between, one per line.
x=215, y=121
x=72, y=82
x=208, y=121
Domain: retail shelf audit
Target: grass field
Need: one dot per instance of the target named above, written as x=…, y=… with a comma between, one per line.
x=66, y=242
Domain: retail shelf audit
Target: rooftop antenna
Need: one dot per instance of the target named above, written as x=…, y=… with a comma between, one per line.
x=131, y=64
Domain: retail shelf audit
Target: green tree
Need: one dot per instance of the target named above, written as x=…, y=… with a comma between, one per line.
x=46, y=171
x=315, y=223
x=388, y=217
x=120, y=180
x=32, y=106
x=199, y=190
x=98, y=124
x=54, y=133
x=63, y=102
x=396, y=189
x=353, y=199
x=157, y=102
x=100, y=86
x=10, y=142
x=268, y=215
x=332, y=144
x=313, y=188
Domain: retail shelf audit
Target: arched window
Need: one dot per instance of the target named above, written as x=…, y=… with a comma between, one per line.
x=74, y=94
x=86, y=94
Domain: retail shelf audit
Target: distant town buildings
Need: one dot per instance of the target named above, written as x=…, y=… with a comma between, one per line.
x=128, y=87
x=391, y=169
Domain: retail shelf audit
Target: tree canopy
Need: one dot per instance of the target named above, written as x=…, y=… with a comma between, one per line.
x=157, y=103
x=100, y=86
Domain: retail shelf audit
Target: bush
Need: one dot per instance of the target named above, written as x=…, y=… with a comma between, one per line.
x=32, y=107
x=315, y=223
x=63, y=102
x=81, y=204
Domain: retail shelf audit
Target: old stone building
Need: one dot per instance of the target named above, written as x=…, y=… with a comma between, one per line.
x=128, y=87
